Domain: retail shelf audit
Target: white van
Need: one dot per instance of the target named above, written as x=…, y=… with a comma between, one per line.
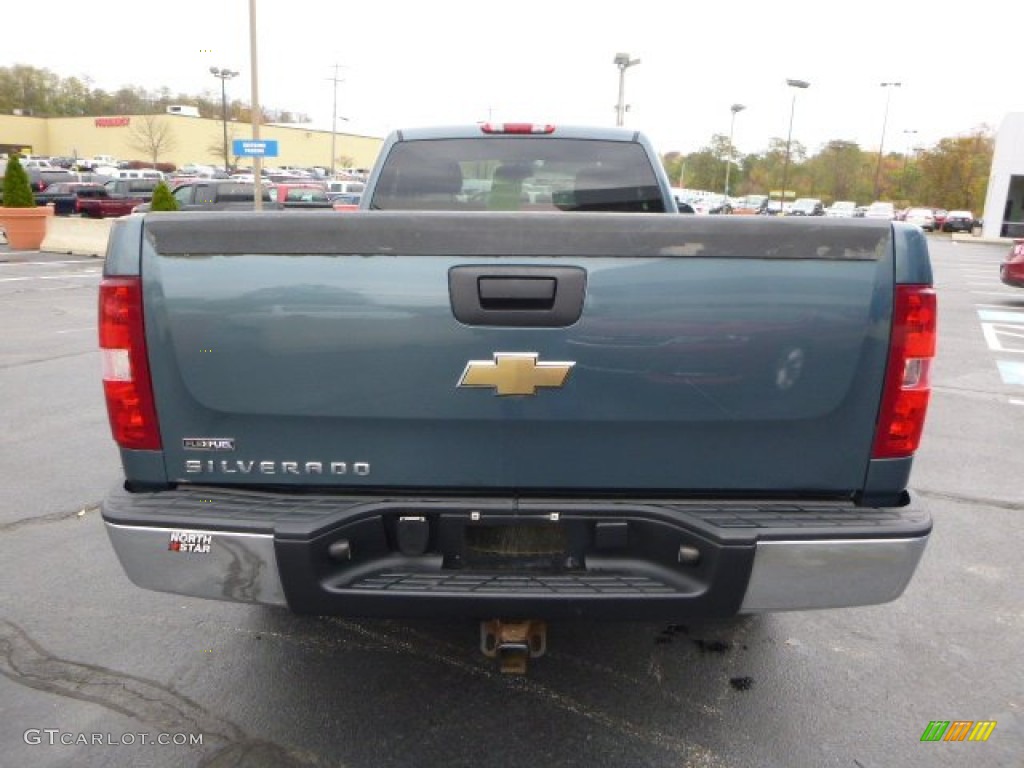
x=141, y=173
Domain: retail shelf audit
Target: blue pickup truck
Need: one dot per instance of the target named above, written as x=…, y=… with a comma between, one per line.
x=517, y=386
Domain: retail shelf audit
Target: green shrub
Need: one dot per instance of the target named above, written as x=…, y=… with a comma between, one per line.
x=17, y=189
x=163, y=200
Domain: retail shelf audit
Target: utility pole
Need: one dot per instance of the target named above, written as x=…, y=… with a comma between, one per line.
x=881, y=142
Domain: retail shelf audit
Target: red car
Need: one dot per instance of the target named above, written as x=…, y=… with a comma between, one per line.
x=1011, y=271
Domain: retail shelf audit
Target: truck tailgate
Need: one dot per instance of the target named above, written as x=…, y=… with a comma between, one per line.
x=612, y=353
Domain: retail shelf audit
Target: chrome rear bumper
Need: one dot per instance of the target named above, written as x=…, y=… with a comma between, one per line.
x=786, y=575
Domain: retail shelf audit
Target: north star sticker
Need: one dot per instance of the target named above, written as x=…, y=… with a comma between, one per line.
x=514, y=373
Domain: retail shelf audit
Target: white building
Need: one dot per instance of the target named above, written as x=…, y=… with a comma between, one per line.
x=1004, y=203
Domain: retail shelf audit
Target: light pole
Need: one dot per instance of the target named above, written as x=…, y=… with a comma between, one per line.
x=728, y=161
x=224, y=75
x=334, y=117
x=801, y=84
x=903, y=177
x=881, y=142
x=254, y=90
x=623, y=62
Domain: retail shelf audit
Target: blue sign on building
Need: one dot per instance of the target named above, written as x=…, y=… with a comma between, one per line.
x=254, y=148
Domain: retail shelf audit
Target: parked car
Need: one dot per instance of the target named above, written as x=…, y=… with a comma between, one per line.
x=881, y=210
x=345, y=187
x=306, y=195
x=923, y=217
x=958, y=221
x=40, y=178
x=1011, y=271
x=711, y=204
x=64, y=195
x=842, y=209
x=138, y=173
x=751, y=205
x=807, y=206
x=216, y=195
x=40, y=163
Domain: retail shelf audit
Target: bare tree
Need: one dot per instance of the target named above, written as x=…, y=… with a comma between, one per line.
x=151, y=135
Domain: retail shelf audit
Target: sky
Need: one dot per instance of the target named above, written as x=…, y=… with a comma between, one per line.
x=404, y=64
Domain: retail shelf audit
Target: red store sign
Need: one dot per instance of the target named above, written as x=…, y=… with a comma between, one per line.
x=112, y=122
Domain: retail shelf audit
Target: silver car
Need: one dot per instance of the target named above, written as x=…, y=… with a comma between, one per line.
x=923, y=217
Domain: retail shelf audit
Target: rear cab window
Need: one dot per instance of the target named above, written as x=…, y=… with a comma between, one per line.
x=517, y=174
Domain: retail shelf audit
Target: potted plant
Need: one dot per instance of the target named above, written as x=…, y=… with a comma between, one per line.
x=23, y=222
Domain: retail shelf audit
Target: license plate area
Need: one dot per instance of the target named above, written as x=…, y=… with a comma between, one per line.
x=518, y=546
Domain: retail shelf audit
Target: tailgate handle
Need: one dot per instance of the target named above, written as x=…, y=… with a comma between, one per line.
x=521, y=296
x=517, y=292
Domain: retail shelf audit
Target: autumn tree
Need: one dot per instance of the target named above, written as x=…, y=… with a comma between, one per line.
x=955, y=172
x=152, y=135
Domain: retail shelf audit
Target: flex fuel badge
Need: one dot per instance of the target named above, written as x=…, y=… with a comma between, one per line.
x=190, y=541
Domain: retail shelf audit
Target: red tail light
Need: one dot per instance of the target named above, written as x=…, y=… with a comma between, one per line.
x=908, y=375
x=517, y=128
x=126, y=379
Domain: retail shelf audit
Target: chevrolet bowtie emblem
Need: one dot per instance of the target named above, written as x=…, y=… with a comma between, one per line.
x=514, y=373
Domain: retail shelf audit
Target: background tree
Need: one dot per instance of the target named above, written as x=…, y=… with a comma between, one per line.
x=40, y=92
x=216, y=146
x=152, y=135
x=955, y=172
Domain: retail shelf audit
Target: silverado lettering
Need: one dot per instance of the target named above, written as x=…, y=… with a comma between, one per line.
x=197, y=466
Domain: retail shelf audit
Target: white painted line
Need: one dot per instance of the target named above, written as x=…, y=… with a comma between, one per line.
x=1016, y=402
x=14, y=279
x=996, y=293
x=39, y=263
x=1000, y=306
x=1006, y=316
x=78, y=330
x=1012, y=372
x=66, y=277
x=999, y=336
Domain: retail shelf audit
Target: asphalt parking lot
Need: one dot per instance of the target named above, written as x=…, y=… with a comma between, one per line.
x=84, y=654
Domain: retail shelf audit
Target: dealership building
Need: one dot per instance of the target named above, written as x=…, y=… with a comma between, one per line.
x=186, y=139
x=1004, y=203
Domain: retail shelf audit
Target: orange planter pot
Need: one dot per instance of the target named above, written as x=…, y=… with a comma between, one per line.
x=25, y=227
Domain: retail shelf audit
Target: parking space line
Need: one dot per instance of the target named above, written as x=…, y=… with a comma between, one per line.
x=1011, y=371
x=1006, y=315
x=40, y=263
